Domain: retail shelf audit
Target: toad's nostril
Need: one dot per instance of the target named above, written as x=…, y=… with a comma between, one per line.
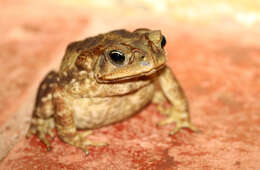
x=145, y=63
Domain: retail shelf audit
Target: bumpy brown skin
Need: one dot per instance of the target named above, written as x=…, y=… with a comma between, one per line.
x=92, y=89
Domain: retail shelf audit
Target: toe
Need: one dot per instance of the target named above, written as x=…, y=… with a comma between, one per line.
x=44, y=139
x=51, y=133
x=95, y=143
x=86, y=133
x=164, y=122
x=192, y=128
x=30, y=132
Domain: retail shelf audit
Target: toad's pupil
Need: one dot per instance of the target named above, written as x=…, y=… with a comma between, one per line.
x=163, y=42
x=117, y=57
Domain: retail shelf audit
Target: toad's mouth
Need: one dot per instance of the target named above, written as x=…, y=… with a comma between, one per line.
x=144, y=75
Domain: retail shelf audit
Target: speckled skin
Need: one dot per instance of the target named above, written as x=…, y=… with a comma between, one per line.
x=91, y=90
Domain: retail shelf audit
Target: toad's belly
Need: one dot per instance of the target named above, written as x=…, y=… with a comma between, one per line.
x=92, y=113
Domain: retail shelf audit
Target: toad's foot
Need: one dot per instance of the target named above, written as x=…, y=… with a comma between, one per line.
x=42, y=127
x=79, y=139
x=175, y=116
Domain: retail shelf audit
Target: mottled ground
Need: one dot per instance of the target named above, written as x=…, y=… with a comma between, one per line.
x=214, y=53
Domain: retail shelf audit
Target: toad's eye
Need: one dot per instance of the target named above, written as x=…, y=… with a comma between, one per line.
x=163, y=42
x=117, y=57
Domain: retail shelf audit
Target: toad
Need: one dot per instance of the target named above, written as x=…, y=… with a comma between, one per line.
x=106, y=79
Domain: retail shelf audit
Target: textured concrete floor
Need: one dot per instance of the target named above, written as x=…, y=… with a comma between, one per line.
x=214, y=53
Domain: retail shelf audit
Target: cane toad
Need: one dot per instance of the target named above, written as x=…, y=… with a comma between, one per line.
x=105, y=79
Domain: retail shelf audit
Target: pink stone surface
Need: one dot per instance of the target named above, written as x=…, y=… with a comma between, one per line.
x=217, y=64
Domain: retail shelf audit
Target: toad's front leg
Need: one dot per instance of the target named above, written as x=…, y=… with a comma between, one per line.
x=65, y=125
x=178, y=112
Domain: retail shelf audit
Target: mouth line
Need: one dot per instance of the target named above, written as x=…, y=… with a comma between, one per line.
x=154, y=70
x=148, y=73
